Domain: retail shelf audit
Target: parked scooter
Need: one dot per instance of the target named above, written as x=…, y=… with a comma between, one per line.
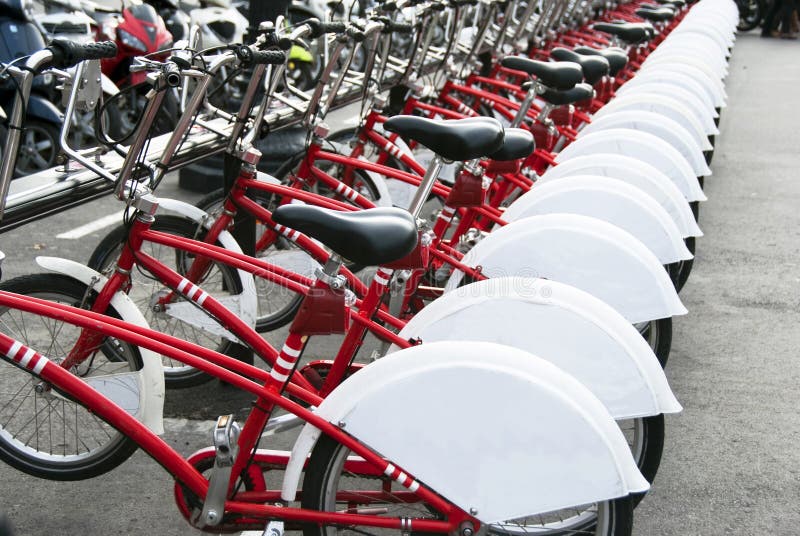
x=39, y=148
x=137, y=31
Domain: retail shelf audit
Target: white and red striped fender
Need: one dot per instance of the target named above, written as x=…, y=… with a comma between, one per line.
x=586, y=253
x=612, y=201
x=150, y=379
x=663, y=105
x=636, y=173
x=658, y=125
x=713, y=87
x=245, y=304
x=671, y=78
x=688, y=99
x=645, y=147
x=568, y=327
x=448, y=414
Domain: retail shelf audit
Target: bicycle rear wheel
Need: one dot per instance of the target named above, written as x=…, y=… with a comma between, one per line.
x=329, y=487
x=43, y=432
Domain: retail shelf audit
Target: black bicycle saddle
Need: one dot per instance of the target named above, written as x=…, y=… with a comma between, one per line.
x=367, y=237
x=518, y=143
x=594, y=67
x=578, y=93
x=629, y=33
x=616, y=57
x=557, y=75
x=455, y=140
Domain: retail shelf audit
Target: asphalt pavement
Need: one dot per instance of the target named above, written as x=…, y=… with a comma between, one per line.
x=731, y=464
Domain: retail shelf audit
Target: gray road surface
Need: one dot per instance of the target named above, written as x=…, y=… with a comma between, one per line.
x=731, y=463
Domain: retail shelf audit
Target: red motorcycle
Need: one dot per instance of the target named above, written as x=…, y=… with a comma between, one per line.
x=137, y=31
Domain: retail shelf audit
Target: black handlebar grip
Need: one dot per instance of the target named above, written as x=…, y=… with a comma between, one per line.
x=248, y=56
x=269, y=57
x=334, y=27
x=438, y=6
x=316, y=27
x=399, y=27
x=67, y=53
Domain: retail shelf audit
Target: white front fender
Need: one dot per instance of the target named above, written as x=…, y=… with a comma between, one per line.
x=568, y=327
x=612, y=201
x=151, y=376
x=658, y=125
x=108, y=86
x=586, y=253
x=245, y=304
x=645, y=147
x=448, y=413
x=636, y=173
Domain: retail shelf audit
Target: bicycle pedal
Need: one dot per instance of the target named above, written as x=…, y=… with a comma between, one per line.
x=225, y=436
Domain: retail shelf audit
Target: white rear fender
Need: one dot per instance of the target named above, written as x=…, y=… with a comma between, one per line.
x=610, y=200
x=645, y=147
x=151, y=377
x=702, y=26
x=684, y=98
x=587, y=253
x=245, y=305
x=636, y=173
x=658, y=125
x=662, y=105
x=701, y=51
x=671, y=78
x=707, y=40
x=715, y=87
x=570, y=328
x=683, y=59
x=703, y=114
x=449, y=414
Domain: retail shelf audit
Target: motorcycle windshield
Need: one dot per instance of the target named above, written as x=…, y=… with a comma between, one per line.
x=144, y=12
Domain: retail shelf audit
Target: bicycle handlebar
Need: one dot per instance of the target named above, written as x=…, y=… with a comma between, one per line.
x=249, y=56
x=68, y=54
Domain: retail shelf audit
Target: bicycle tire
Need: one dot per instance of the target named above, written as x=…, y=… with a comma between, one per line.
x=324, y=473
x=111, y=356
x=658, y=334
x=219, y=279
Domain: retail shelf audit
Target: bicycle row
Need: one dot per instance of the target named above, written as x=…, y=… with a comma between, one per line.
x=531, y=223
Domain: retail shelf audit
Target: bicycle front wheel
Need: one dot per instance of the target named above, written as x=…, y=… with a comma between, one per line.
x=329, y=487
x=43, y=432
x=220, y=281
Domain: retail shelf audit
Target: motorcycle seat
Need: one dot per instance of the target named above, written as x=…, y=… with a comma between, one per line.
x=454, y=140
x=367, y=237
x=557, y=75
x=594, y=67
